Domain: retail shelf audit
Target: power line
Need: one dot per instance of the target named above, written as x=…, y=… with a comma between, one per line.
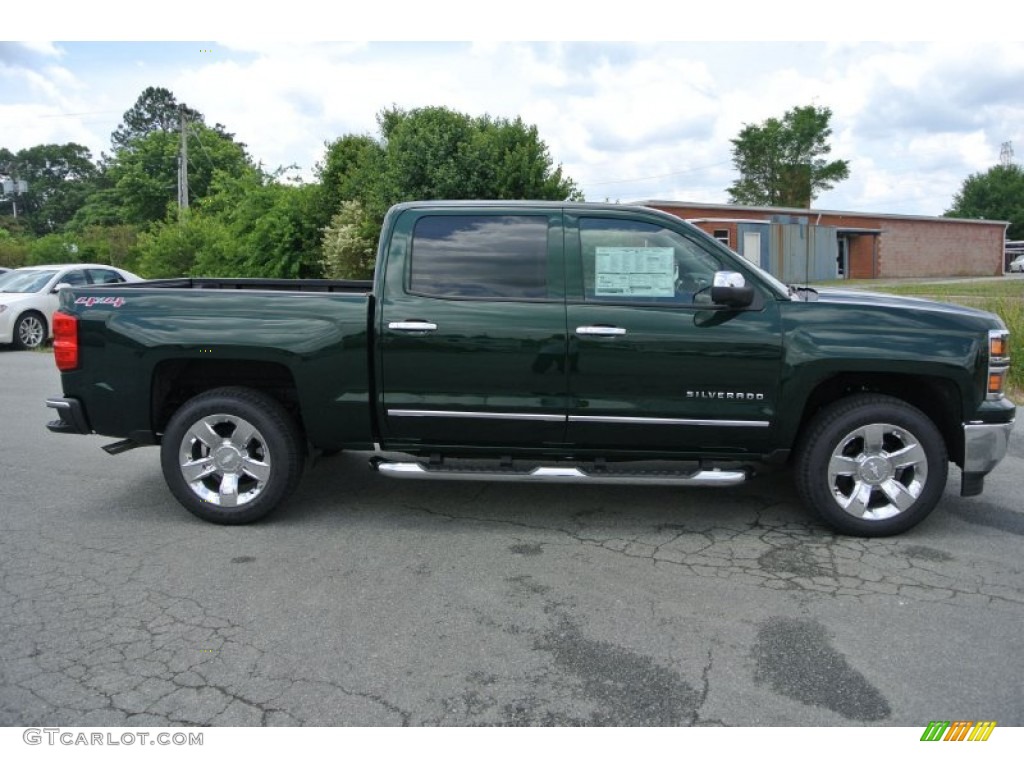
x=72, y=114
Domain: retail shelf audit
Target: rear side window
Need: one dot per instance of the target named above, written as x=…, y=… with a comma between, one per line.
x=480, y=256
x=104, y=276
x=75, y=277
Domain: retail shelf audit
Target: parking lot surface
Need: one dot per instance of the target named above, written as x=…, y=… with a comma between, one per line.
x=370, y=601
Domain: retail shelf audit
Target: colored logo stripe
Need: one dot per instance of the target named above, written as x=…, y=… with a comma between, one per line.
x=935, y=730
x=958, y=730
x=982, y=731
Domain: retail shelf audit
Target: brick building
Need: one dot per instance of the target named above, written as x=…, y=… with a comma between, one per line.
x=798, y=244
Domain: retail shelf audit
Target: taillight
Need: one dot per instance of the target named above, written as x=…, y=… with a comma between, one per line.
x=65, y=341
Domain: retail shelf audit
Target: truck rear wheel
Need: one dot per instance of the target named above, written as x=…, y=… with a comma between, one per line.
x=871, y=465
x=231, y=455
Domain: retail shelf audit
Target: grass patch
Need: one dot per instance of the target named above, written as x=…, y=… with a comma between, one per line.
x=1001, y=296
x=945, y=290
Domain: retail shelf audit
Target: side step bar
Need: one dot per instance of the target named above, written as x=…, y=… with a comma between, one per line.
x=415, y=470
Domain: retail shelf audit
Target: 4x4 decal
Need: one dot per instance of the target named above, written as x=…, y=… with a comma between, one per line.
x=90, y=301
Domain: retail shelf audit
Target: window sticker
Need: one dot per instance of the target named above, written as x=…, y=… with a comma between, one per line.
x=644, y=272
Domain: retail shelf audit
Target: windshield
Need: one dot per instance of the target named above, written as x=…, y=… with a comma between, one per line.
x=25, y=281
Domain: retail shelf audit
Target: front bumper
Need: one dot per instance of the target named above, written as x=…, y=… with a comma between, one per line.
x=7, y=326
x=72, y=419
x=985, y=445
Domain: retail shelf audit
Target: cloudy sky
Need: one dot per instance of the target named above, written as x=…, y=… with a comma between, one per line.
x=627, y=120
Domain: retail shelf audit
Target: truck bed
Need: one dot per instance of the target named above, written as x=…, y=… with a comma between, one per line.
x=259, y=284
x=151, y=345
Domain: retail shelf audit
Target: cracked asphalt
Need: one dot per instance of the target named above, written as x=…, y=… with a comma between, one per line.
x=370, y=601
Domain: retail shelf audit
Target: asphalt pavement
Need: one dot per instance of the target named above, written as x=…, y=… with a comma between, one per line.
x=372, y=601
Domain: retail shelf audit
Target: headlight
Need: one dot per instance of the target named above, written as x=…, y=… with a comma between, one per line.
x=998, y=363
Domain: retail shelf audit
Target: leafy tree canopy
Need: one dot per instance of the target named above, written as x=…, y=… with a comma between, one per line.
x=782, y=162
x=432, y=153
x=156, y=109
x=140, y=181
x=60, y=177
x=997, y=194
x=247, y=224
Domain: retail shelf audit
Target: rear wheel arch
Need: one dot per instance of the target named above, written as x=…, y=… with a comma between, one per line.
x=231, y=455
x=176, y=381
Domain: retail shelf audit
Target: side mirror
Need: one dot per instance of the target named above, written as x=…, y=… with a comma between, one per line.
x=731, y=290
x=58, y=286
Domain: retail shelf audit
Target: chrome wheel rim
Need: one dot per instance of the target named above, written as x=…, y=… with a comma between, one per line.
x=877, y=471
x=224, y=460
x=30, y=331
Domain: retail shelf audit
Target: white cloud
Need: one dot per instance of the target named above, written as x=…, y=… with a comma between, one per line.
x=627, y=121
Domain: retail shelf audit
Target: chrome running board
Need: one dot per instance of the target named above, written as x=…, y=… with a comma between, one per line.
x=415, y=470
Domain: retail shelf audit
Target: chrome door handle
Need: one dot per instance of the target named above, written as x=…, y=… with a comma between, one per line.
x=600, y=330
x=412, y=325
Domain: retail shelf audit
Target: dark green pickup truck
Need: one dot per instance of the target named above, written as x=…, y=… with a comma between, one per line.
x=545, y=342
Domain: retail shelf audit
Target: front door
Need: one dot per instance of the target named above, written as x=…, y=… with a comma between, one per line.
x=652, y=367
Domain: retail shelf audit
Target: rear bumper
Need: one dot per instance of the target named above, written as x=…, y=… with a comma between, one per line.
x=71, y=416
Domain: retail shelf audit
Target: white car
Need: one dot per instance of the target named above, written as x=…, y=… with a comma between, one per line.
x=1017, y=265
x=28, y=297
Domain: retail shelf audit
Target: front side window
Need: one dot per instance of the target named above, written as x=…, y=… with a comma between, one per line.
x=637, y=262
x=481, y=256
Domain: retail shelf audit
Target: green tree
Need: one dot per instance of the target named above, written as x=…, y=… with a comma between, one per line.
x=997, y=194
x=436, y=153
x=348, y=250
x=429, y=153
x=156, y=109
x=782, y=162
x=351, y=166
x=60, y=177
x=116, y=245
x=274, y=224
x=51, y=249
x=249, y=225
x=14, y=250
x=171, y=248
x=140, y=181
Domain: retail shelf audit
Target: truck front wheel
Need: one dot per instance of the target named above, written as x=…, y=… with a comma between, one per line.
x=231, y=455
x=871, y=465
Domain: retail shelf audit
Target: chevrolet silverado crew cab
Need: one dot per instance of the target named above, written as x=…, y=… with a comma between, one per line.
x=534, y=341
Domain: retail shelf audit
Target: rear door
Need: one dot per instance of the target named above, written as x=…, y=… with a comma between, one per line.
x=472, y=329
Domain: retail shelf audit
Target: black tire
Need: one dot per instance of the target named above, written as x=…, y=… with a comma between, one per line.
x=241, y=451
x=30, y=331
x=871, y=465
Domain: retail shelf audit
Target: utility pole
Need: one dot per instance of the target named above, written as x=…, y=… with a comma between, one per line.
x=1006, y=154
x=182, y=167
x=13, y=187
